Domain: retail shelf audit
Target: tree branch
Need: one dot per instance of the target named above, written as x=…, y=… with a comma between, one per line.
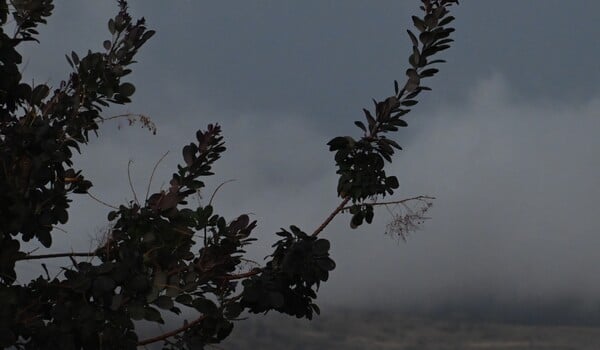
x=331, y=216
x=56, y=255
x=420, y=198
x=171, y=333
x=238, y=276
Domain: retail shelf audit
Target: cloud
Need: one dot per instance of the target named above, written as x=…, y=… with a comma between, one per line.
x=515, y=215
x=517, y=186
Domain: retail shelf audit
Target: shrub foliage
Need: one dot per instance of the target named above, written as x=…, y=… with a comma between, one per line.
x=163, y=254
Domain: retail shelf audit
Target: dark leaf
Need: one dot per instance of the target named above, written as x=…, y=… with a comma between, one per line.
x=445, y=21
x=361, y=125
x=413, y=38
x=151, y=314
x=321, y=247
x=419, y=24
x=164, y=302
x=126, y=89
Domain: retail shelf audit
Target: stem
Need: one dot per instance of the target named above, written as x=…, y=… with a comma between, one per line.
x=238, y=276
x=331, y=216
x=152, y=176
x=420, y=198
x=56, y=255
x=171, y=333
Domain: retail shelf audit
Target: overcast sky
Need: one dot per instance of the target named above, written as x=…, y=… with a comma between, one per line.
x=507, y=140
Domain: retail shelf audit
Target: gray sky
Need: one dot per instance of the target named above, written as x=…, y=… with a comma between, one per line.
x=507, y=140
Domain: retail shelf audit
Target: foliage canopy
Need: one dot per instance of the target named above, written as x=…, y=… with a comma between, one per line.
x=162, y=254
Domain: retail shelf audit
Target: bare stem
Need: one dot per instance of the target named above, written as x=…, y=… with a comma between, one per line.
x=131, y=182
x=171, y=333
x=419, y=198
x=217, y=189
x=56, y=255
x=238, y=276
x=152, y=175
x=331, y=216
x=101, y=201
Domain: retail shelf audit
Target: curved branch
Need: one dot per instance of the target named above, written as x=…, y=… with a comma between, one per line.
x=152, y=175
x=331, y=216
x=101, y=201
x=171, y=333
x=217, y=189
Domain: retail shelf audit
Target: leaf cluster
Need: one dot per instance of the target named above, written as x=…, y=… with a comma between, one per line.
x=361, y=162
x=162, y=255
x=39, y=131
x=290, y=279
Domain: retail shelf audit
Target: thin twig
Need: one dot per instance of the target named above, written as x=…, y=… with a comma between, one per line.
x=331, y=216
x=171, y=333
x=238, y=276
x=126, y=115
x=130, y=182
x=217, y=189
x=56, y=255
x=421, y=198
x=100, y=201
x=152, y=175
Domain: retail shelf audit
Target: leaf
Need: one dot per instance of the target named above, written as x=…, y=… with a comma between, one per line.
x=431, y=20
x=392, y=182
x=370, y=118
x=136, y=311
x=44, y=237
x=321, y=246
x=184, y=299
x=413, y=38
x=107, y=44
x=111, y=26
x=233, y=310
x=426, y=38
x=337, y=143
x=446, y=20
x=189, y=154
x=326, y=264
x=75, y=58
x=126, y=89
x=205, y=306
x=112, y=215
x=419, y=24
x=240, y=223
x=435, y=61
x=361, y=125
x=39, y=93
x=70, y=61
x=357, y=219
x=147, y=35
x=164, y=302
x=429, y=72
x=415, y=58
x=151, y=314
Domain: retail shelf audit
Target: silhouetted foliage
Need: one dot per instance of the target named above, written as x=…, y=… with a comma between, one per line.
x=150, y=263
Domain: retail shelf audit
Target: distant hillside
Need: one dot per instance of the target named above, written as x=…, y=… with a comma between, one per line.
x=348, y=330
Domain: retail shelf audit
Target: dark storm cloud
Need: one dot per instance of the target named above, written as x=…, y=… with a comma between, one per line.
x=507, y=141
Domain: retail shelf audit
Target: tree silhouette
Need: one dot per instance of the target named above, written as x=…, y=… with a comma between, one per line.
x=162, y=254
